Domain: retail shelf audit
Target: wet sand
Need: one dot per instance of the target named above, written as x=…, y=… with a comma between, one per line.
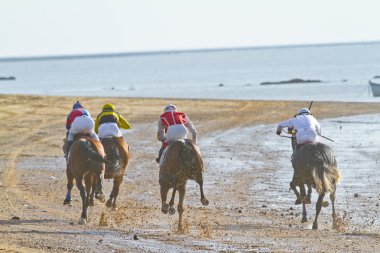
x=246, y=180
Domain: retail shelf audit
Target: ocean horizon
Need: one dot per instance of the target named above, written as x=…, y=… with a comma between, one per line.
x=325, y=72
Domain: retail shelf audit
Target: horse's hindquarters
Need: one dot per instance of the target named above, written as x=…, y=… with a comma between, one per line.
x=183, y=161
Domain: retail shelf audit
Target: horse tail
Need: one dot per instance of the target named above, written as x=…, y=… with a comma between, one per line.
x=326, y=174
x=92, y=154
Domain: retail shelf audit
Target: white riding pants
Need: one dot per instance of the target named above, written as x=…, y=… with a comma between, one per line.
x=82, y=124
x=109, y=130
x=307, y=136
x=176, y=132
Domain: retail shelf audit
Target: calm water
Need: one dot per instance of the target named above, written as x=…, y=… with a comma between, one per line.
x=230, y=74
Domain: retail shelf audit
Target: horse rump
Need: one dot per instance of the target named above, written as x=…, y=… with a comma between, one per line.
x=182, y=161
x=117, y=153
x=315, y=165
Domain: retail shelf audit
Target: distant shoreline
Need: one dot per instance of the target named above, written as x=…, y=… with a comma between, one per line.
x=164, y=52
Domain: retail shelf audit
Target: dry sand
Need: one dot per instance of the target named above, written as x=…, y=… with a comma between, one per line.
x=33, y=184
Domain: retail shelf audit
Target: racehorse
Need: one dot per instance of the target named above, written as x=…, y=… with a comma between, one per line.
x=85, y=163
x=117, y=153
x=315, y=165
x=181, y=161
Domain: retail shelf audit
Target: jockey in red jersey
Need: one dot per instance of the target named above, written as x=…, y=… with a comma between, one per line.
x=172, y=126
x=78, y=121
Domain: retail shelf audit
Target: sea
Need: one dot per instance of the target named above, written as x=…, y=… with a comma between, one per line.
x=342, y=72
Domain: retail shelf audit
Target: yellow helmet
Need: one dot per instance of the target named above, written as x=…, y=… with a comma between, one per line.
x=108, y=107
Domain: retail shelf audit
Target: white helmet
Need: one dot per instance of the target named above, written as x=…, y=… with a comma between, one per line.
x=169, y=108
x=304, y=111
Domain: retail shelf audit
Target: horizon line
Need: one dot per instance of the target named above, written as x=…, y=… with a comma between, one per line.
x=174, y=51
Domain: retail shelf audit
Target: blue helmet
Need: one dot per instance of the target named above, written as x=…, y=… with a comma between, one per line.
x=77, y=105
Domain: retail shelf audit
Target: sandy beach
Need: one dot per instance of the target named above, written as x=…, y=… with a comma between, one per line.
x=246, y=180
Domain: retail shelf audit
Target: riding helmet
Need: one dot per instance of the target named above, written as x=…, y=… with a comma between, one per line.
x=108, y=107
x=77, y=105
x=304, y=111
x=170, y=107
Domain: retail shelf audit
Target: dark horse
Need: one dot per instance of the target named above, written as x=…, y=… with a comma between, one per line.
x=181, y=161
x=85, y=162
x=315, y=165
x=117, y=153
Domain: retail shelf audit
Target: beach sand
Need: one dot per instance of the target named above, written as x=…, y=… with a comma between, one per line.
x=238, y=219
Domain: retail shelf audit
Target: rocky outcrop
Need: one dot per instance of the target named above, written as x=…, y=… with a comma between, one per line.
x=292, y=81
x=7, y=78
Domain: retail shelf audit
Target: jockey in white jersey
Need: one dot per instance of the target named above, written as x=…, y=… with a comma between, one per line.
x=306, y=126
x=78, y=121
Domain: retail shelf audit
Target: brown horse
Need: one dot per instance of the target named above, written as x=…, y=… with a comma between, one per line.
x=85, y=163
x=117, y=153
x=181, y=161
x=315, y=165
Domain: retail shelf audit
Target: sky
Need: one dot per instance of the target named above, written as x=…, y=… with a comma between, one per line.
x=53, y=27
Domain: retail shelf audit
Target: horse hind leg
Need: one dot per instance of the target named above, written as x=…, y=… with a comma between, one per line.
x=180, y=208
x=83, y=219
x=307, y=200
x=111, y=202
x=164, y=192
x=199, y=180
x=293, y=187
x=88, y=186
x=92, y=194
x=332, y=198
x=70, y=184
x=318, y=210
x=304, y=213
x=171, y=202
x=99, y=195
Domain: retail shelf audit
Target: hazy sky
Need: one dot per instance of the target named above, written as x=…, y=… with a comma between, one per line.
x=52, y=27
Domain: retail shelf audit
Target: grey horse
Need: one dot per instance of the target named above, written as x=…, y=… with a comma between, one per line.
x=315, y=165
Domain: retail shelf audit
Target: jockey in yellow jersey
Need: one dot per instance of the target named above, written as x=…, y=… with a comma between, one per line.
x=109, y=122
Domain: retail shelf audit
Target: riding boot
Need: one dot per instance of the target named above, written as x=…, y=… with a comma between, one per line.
x=159, y=154
x=68, y=146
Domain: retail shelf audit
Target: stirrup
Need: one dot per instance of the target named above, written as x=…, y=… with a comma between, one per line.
x=158, y=159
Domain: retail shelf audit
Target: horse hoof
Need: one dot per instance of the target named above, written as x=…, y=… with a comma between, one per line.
x=101, y=197
x=315, y=227
x=304, y=219
x=204, y=202
x=82, y=221
x=165, y=209
x=307, y=201
x=66, y=202
x=91, y=202
x=325, y=203
x=298, y=202
x=109, y=203
x=171, y=210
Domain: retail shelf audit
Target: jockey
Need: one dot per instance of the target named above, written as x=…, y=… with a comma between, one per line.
x=172, y=126
x=306, y=126
x=109, y=122
x=78, y=121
